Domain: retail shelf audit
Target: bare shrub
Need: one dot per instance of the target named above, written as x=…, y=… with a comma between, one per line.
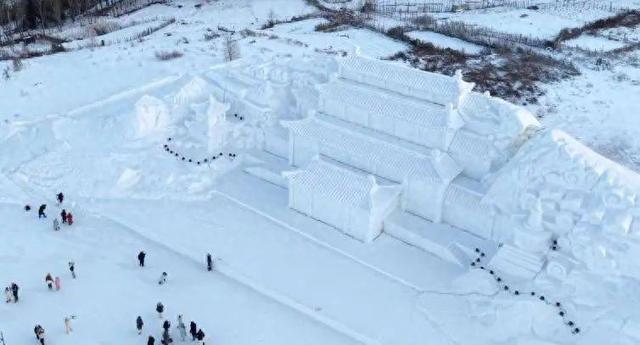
x=210, y=35
x=164, y=55
x=231, y=48
x=103, y=27
x=17, y=64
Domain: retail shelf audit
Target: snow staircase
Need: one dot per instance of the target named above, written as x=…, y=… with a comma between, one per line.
x=517, y=262
x=443, y=240
x=268, y=167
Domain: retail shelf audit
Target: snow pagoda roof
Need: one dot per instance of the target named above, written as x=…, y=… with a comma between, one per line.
x=432, y=87
x=359, y=142
x=385, y=103
x=338, y=183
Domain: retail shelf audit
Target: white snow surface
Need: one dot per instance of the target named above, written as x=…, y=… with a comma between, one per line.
x=81, y=123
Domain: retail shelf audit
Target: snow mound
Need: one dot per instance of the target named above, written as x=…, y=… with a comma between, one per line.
x=128, y=179
x=152, y=115
x=475, y=282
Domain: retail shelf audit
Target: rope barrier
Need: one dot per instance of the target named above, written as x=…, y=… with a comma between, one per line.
x=561, y=311
x=181, y=157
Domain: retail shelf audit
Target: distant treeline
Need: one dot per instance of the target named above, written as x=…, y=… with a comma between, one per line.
x=23, y=15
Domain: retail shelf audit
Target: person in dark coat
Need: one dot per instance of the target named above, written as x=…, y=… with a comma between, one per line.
x=139, y=324
x=209, y=262
x=41, y=213
x=63, y=215
x=166, y=338
x=14, y=291
x=200, y=336
x=151, y=340
x=166, y=325
x=193, y=330
x=49, y=280
x=39, y=331
x=141, y=257
x=160, y=309
x=60, y=197
x=72, y=268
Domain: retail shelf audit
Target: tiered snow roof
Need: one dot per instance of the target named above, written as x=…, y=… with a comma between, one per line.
x=342, y=186
x=473, y=152
x=363, y=98
x=431, y=87
x=423, y=123
x=437, y=111
x=368, y=153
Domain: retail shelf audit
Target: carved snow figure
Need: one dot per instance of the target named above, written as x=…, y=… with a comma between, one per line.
x=152, y=116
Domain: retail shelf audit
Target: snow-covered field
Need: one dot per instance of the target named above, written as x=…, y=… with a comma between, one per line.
x=94, y=123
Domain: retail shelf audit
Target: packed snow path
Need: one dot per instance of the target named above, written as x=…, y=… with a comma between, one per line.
x=111, y=291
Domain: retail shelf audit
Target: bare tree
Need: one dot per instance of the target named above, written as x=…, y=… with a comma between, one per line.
x=231, y=48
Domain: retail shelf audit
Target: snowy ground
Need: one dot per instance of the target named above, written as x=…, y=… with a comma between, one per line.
x=282, y=278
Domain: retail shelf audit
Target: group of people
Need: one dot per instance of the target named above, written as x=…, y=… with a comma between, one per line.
x=11, y=293
x=51, y=282
x=197, y=334
x=67, y=217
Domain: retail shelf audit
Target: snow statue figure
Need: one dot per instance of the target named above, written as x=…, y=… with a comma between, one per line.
x=532, y=236
x=152, y=116
x=219, y=127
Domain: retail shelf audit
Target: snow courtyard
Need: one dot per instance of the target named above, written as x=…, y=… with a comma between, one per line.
x=346, y=197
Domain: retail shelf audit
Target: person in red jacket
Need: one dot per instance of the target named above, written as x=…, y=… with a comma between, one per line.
x=69, y=218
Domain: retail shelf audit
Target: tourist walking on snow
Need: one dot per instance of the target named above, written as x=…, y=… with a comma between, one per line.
x=49, y=280
x=56, y=224
x=56, y=282
x=141, y=257
x=182, y=329
x=14, y=290
x=200, y=336
x=166, y=338
x=72, y=268
x=163, y=278
x=193, y=330
x=67, y=324
x=139, y=324
x=166, y=325
x=160, y=309
x=60, y=197
x=41, y=213
x=8, y=295
x=209, y=262
x=151, y=340
x=63, y=215
x=39, y=331
x=69, y=218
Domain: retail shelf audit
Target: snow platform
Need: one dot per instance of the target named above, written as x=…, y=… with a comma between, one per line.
x=269, y=168
x=443, y=240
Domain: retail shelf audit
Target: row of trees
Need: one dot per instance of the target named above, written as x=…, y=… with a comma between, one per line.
x=22, y=15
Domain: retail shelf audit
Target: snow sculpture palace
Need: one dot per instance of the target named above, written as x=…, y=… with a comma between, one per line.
x=373, y=146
